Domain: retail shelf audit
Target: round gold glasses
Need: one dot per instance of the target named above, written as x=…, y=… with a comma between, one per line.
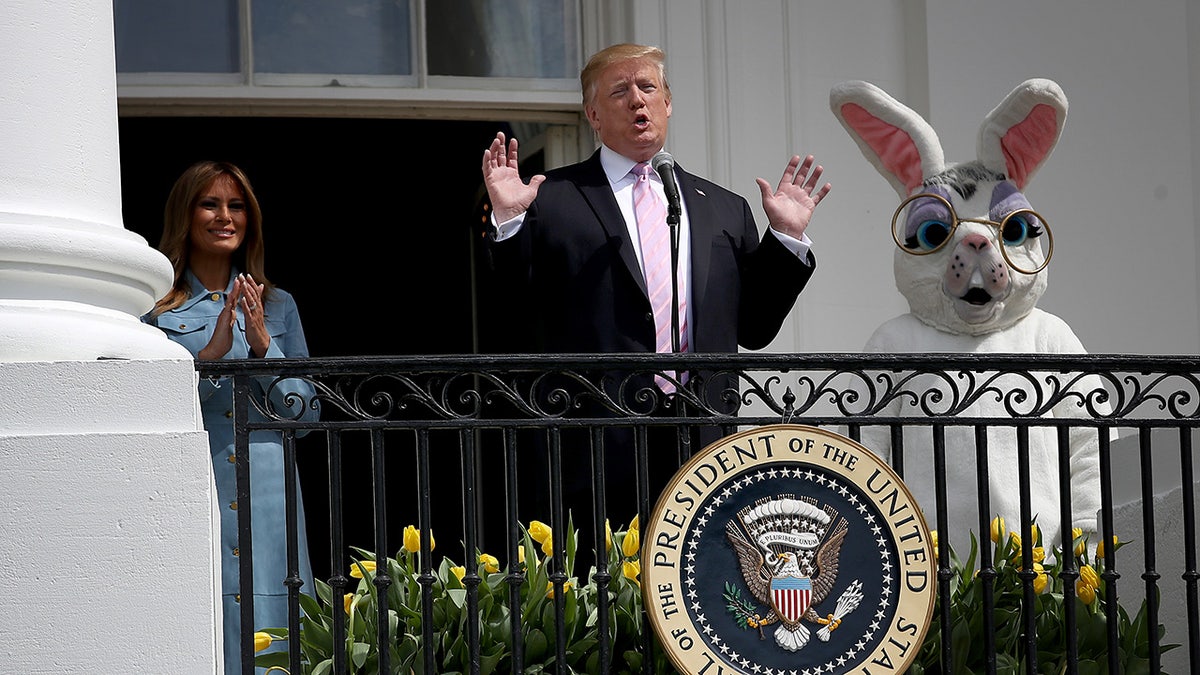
x=924, y=223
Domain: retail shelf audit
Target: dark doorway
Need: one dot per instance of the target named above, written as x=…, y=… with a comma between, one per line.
x=368, y=223
x=374, y=226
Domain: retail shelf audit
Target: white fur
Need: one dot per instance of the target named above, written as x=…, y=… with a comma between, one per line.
x=1039, y=332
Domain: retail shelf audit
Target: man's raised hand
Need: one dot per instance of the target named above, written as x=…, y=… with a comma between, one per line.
x=790, y=206
x=510, y=196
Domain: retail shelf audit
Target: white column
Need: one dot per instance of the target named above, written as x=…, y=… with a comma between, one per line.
x=107, y=513
x=73, y=280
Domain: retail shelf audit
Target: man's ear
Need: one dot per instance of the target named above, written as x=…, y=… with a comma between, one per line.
x=590, y=113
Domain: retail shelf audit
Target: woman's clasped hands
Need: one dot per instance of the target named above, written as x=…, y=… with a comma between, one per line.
x=246, y=295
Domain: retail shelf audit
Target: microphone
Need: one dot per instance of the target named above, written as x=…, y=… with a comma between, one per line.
x=664, y=165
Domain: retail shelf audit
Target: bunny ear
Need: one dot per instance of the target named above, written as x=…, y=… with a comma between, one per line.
x=900, y=144
x=1018, y=136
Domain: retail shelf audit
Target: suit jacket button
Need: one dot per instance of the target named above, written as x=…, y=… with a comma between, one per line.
x=650, y=317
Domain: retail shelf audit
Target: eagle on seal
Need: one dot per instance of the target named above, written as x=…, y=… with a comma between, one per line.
x=776, y=577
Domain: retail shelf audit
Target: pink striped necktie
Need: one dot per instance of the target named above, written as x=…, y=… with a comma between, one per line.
x=651, y=214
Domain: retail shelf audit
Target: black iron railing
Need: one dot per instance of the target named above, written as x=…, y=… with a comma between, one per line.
x=463, y=431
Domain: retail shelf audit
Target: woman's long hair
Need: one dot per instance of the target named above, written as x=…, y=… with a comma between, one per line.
x=176, y=243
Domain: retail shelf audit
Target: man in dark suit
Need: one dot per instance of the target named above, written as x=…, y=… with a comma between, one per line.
x=574, y=234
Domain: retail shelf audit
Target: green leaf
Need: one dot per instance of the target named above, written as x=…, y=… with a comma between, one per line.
x=536, y=645
x=310, y=605
x=324, y=592
x=316, y=635
x=458, y=596
x=359, y=651
x=270, y=659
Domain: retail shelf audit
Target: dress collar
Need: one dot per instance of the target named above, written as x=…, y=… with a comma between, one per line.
x=198, y=288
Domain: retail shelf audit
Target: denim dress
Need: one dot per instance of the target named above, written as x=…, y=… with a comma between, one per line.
x=191, y=325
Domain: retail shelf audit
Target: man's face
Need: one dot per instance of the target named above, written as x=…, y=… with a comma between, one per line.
x=630, y=109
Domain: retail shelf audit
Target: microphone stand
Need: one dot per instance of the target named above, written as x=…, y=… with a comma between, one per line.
x=674, y=212
x=664, y=165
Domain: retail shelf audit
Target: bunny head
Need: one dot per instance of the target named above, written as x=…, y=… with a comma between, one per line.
x=971, y=253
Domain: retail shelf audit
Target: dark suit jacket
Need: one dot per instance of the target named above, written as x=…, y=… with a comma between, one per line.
x=585, y=293
x=586, y=290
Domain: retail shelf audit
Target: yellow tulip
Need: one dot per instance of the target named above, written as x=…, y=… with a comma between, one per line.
x=348, y=601
x=1040, y=581
x=997, y=529
x=356, y=570
x=539, y=531
x=632, y=570
x=607, y=536
x=521, y=555
x=1033, y=533
x=1087, y=584
x=1089, y=576
x=631, y=543
x=933, y=541
x=412, y=539
x=633, y=524
x=490, y=564
x=1039, y=554
x=459, y=571
x=1077, y=536
x=550, y=588
x=261, y=641
x=1016, y=541
x=548, y=546
x=1100, y=547
x=1085, y=592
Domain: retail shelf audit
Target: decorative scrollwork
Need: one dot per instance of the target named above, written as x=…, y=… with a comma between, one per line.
x=930, y=386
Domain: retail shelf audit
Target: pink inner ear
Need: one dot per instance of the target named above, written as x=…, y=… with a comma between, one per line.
x=1027, y=143
x=893, y=145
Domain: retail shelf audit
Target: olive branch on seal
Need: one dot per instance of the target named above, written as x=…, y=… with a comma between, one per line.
x=744, y=612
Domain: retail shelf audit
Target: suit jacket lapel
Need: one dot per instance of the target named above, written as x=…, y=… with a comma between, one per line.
x=598, y=193
x=700, y=222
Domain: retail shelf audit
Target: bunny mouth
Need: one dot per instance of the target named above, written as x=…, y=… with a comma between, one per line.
x=976, y=296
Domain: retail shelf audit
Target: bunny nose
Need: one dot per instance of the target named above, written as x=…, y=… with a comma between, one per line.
x=976, y=242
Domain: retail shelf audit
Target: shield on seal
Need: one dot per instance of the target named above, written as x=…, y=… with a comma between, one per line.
x=791, y=596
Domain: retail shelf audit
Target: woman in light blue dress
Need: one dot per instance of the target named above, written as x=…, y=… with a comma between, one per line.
x=222, y=306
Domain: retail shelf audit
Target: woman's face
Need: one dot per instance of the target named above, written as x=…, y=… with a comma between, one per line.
x=219, y=219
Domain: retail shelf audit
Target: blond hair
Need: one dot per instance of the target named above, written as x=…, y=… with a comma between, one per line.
x=601, y=60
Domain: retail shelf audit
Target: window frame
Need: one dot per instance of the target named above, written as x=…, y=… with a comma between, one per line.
x=552, y=100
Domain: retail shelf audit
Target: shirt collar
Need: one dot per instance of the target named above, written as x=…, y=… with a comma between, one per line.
x=616, y=166
x=198, y=288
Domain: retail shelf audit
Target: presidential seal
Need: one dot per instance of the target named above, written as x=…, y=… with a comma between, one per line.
x=788, y=550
